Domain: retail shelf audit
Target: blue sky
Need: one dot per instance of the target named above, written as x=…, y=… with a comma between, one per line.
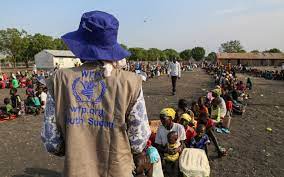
x=178, y=24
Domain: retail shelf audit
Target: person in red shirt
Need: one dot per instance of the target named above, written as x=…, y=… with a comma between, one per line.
x=4, y=76
x=2, y=84
x=23, y=82
x=188, y=124
x=202, y=106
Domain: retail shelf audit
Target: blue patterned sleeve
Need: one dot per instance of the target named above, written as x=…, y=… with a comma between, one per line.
x=138, y=126
x=50, y=135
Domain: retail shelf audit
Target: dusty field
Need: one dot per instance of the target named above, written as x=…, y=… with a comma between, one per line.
x=253, y=150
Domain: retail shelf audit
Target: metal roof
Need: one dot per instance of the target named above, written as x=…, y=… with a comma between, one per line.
x=251, y=56
x=61, y=53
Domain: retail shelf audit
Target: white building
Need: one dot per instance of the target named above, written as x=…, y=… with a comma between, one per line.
x=48, y=59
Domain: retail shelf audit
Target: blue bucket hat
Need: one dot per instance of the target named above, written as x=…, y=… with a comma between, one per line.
x=96, y=38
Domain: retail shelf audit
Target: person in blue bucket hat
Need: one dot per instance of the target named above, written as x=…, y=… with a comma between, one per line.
x=95, y=113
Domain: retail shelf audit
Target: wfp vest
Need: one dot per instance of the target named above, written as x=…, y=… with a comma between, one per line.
x=91, y=113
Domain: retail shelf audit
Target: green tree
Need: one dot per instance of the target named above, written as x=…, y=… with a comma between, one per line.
x=170, y=54
x=185, y=55
x=26, y=54
x=254, y=51
x=232, y=47
x=58, y=44
x=11, y=43
x=138, y=54
x=198, y=53
x=274, y=50
x=211, y=57
x=154, y=54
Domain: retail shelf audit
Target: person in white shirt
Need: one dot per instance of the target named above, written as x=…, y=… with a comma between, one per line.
x=174, y=71
x=167, y=116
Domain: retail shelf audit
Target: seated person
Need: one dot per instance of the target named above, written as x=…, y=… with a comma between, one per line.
x=189, y=125
x=15, y=82
x=249, y=83
x=195, y=109
x=201, y=140
x=9, y=110
x=15, y=98
x=216, y=111
x=241, y=87
x=221, y=104
x=23, y=82
x=166, y=116
x=183, y=107
x=201, y=104
x=209, y=124
x=29, y=89
x=143, y=166
x=43, y=96
x=155, y=159
x=29, y=83
x=2, y=84
x=32, y=104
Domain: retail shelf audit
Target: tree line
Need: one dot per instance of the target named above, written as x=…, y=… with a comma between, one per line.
x=19, y=46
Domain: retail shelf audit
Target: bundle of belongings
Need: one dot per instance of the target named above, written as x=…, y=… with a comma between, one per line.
x=194, y=163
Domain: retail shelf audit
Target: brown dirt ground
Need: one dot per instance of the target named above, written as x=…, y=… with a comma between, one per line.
x=253, y=151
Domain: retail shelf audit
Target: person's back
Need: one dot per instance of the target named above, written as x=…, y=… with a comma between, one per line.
x=36, y=101
x=15, y=83
x=97, y=111
x=93, y=105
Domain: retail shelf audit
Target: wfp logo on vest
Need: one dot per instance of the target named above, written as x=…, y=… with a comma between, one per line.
x=90, y=88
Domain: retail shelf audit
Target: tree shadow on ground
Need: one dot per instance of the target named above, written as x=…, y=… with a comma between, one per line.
x=39, y=172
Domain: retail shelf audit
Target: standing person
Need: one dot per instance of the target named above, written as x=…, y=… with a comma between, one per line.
x=95, y=113
x=175, y=72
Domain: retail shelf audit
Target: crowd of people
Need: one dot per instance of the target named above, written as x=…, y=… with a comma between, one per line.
x=267, y=74
x=195, y=125
x=155, y=69
x=35, y=91
x=190, y=125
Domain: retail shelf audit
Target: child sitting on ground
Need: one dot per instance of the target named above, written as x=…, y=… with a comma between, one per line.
x=201, y=104
x=183, y=107
x=201, y=140
x=189, y=127
x=32, y=104
x=195, y=109
x=209, y=124
x=16, y=99
x=9, y=110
